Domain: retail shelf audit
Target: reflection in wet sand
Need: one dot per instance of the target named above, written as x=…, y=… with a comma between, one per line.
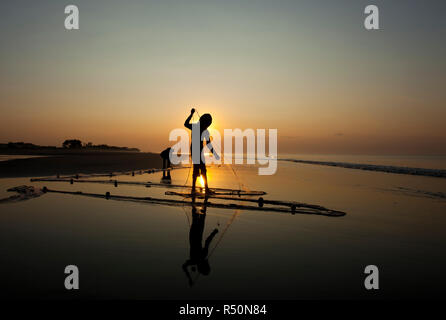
x=198, y=257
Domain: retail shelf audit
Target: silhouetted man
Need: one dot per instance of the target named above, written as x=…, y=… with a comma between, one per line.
x=165, y=155
x=200, y=133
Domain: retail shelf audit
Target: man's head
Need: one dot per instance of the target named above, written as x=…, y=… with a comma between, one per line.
x=205, y=121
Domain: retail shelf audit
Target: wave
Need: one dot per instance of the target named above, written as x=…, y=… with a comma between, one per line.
x=437, y=173
x=421, y=193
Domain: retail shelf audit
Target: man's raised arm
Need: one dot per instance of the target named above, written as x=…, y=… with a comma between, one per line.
x=187, y=123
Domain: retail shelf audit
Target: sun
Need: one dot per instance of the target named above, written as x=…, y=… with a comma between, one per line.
x=201, y=181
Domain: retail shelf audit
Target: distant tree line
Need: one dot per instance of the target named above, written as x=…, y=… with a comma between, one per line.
x=77, y=144
x=67, y=144
x=23, y=145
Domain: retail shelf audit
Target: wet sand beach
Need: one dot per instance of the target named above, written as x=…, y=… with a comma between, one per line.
x=81, y=162
x=136, y=250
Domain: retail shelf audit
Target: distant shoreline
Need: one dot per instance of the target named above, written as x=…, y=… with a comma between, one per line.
x=77, y=161
x=18, y=156
x=73, y=161
x=61, y=151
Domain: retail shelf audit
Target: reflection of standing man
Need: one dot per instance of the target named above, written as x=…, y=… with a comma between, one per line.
x=198, y=253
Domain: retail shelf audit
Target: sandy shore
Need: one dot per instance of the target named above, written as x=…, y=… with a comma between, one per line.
x=97, y=162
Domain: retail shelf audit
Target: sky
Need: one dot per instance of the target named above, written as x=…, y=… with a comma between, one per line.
x=310, y=69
